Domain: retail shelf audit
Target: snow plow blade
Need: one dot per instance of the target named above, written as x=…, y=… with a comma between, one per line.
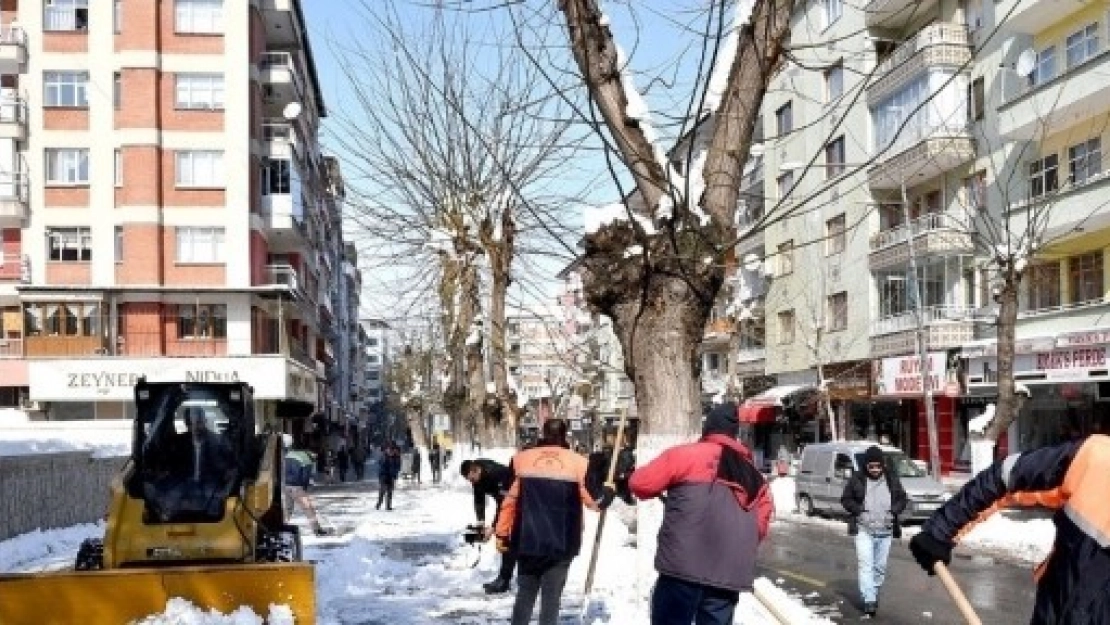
x=117, y=597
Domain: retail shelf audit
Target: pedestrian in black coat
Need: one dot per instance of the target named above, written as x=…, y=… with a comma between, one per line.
x=491, y=479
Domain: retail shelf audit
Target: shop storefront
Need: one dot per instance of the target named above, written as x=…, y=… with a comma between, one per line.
x=898, y=415
x=103, y=388
x=780, y=419
x=1068, y=381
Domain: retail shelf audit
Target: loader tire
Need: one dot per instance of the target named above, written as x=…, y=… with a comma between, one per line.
x=90, y=556
x=280, y=546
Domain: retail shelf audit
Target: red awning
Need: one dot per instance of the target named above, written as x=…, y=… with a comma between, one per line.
x=757, y=413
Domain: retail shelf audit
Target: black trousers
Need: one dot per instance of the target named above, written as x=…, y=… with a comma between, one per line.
x=385, y=493
x=508, y=563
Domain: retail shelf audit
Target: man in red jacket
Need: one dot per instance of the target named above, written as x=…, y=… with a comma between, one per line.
x=718, y=510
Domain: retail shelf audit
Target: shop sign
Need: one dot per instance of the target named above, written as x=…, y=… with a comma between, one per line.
x=1099, y=337
x=902, y=375
x=1067, y=363
x=104, y=379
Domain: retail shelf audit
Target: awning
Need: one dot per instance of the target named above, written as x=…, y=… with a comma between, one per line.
x=757, y=413
x=779, y=396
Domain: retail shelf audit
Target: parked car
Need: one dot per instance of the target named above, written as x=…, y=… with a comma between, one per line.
x=826, y=467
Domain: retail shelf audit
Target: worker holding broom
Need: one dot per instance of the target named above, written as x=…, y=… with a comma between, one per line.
x=718, y=510
x=1072, y=478
x=541, y=520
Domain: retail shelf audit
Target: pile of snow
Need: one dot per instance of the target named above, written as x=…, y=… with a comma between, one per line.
x=43, y=550
x=104, y=438
x=181, y=612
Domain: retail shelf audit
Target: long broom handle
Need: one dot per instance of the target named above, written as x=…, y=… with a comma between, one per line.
x=617, y=447
x=957, y=594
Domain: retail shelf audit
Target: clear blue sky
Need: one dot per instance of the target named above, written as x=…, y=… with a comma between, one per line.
x=656, y=41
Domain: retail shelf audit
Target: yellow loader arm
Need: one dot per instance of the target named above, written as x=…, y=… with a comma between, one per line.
x=118, y=597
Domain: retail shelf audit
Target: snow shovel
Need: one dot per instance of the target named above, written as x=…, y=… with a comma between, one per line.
x=957, y=594
x=618, y=445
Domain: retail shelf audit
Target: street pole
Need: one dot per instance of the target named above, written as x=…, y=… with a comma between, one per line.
x=922, y=353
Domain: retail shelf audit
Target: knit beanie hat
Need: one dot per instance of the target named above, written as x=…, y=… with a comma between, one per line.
x=872, y=454
x=723, y=418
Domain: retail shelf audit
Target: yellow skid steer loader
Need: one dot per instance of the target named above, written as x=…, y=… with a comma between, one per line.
x=196, y=512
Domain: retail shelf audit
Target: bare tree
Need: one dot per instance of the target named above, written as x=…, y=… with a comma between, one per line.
x=455, y=140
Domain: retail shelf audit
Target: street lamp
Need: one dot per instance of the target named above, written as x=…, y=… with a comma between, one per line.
x=920, y=338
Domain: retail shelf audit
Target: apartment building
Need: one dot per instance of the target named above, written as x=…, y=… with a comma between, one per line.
x=167, y=211
x=1047, y=101
x=377, y=363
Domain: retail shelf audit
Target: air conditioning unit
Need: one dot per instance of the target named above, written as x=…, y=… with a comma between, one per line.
x=30, y=406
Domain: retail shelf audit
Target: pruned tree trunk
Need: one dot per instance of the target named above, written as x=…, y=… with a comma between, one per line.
x=503, y=413
x=1007, y=407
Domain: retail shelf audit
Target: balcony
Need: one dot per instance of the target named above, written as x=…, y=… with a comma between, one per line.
x=282, y=275
x=940, y=45
x=13, y=199
x=1033, y=16
x=282, y=81
x=1074, y=208
x=937, y=234
x=13, y=118
x=15, y=268
x=946, y=326
x=279, y=139
x=283, y=219
x=921, y=152
x=13, y=49
x=280, y=19
x=1072, y=97
x=751, y=361
x=719, y=331
x=895, y=14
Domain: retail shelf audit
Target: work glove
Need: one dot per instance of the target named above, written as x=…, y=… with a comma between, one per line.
x=928, y=550
x=853, y=526
x=608, y=493
x=502, y=545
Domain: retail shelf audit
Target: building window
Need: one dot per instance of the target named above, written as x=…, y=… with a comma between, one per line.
x=70, y=244
x=1085, y=272
x=200, y=169
x=832, y=10
x=1044, y=286
x=202, y=321
x=1043, y=176
x=976, y=96
x=200, y=245
x=786, y=327
x=784, y=119
x=838, y=311
x=372, y=342
x=835, y=237
x=119, y=244
x=1085, y=161
x=373, y=376
x=785, y=184
x=66, y=89
x=975, y=191
x=117, y=91
x=1045, y=69
x=834, y=158
x=372, y=359
x=118, y=161
x=1082, y=45
x=199, y=16
x=117, y=16
x=786, y=258
x=200, y=91
x=63, y=15
x=67, y=166
x=62, y=319
x=834, y=82
x=276, y=177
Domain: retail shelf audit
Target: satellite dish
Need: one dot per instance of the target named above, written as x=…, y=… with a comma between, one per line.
x=1026, y=62
x=291, y=110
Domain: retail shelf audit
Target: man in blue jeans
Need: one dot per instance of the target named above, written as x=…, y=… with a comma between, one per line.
x=874, y=498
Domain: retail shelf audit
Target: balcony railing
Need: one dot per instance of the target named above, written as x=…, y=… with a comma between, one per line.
x=12, y=35
x=929, y=37
x=931, y=314
x=13, y=187
x=1048, y=310
x=282, y=61
x=13, y=111
x=931, y=222
x=916, y=131
x=276, y=130
x=751, y=354
x=284, y=275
